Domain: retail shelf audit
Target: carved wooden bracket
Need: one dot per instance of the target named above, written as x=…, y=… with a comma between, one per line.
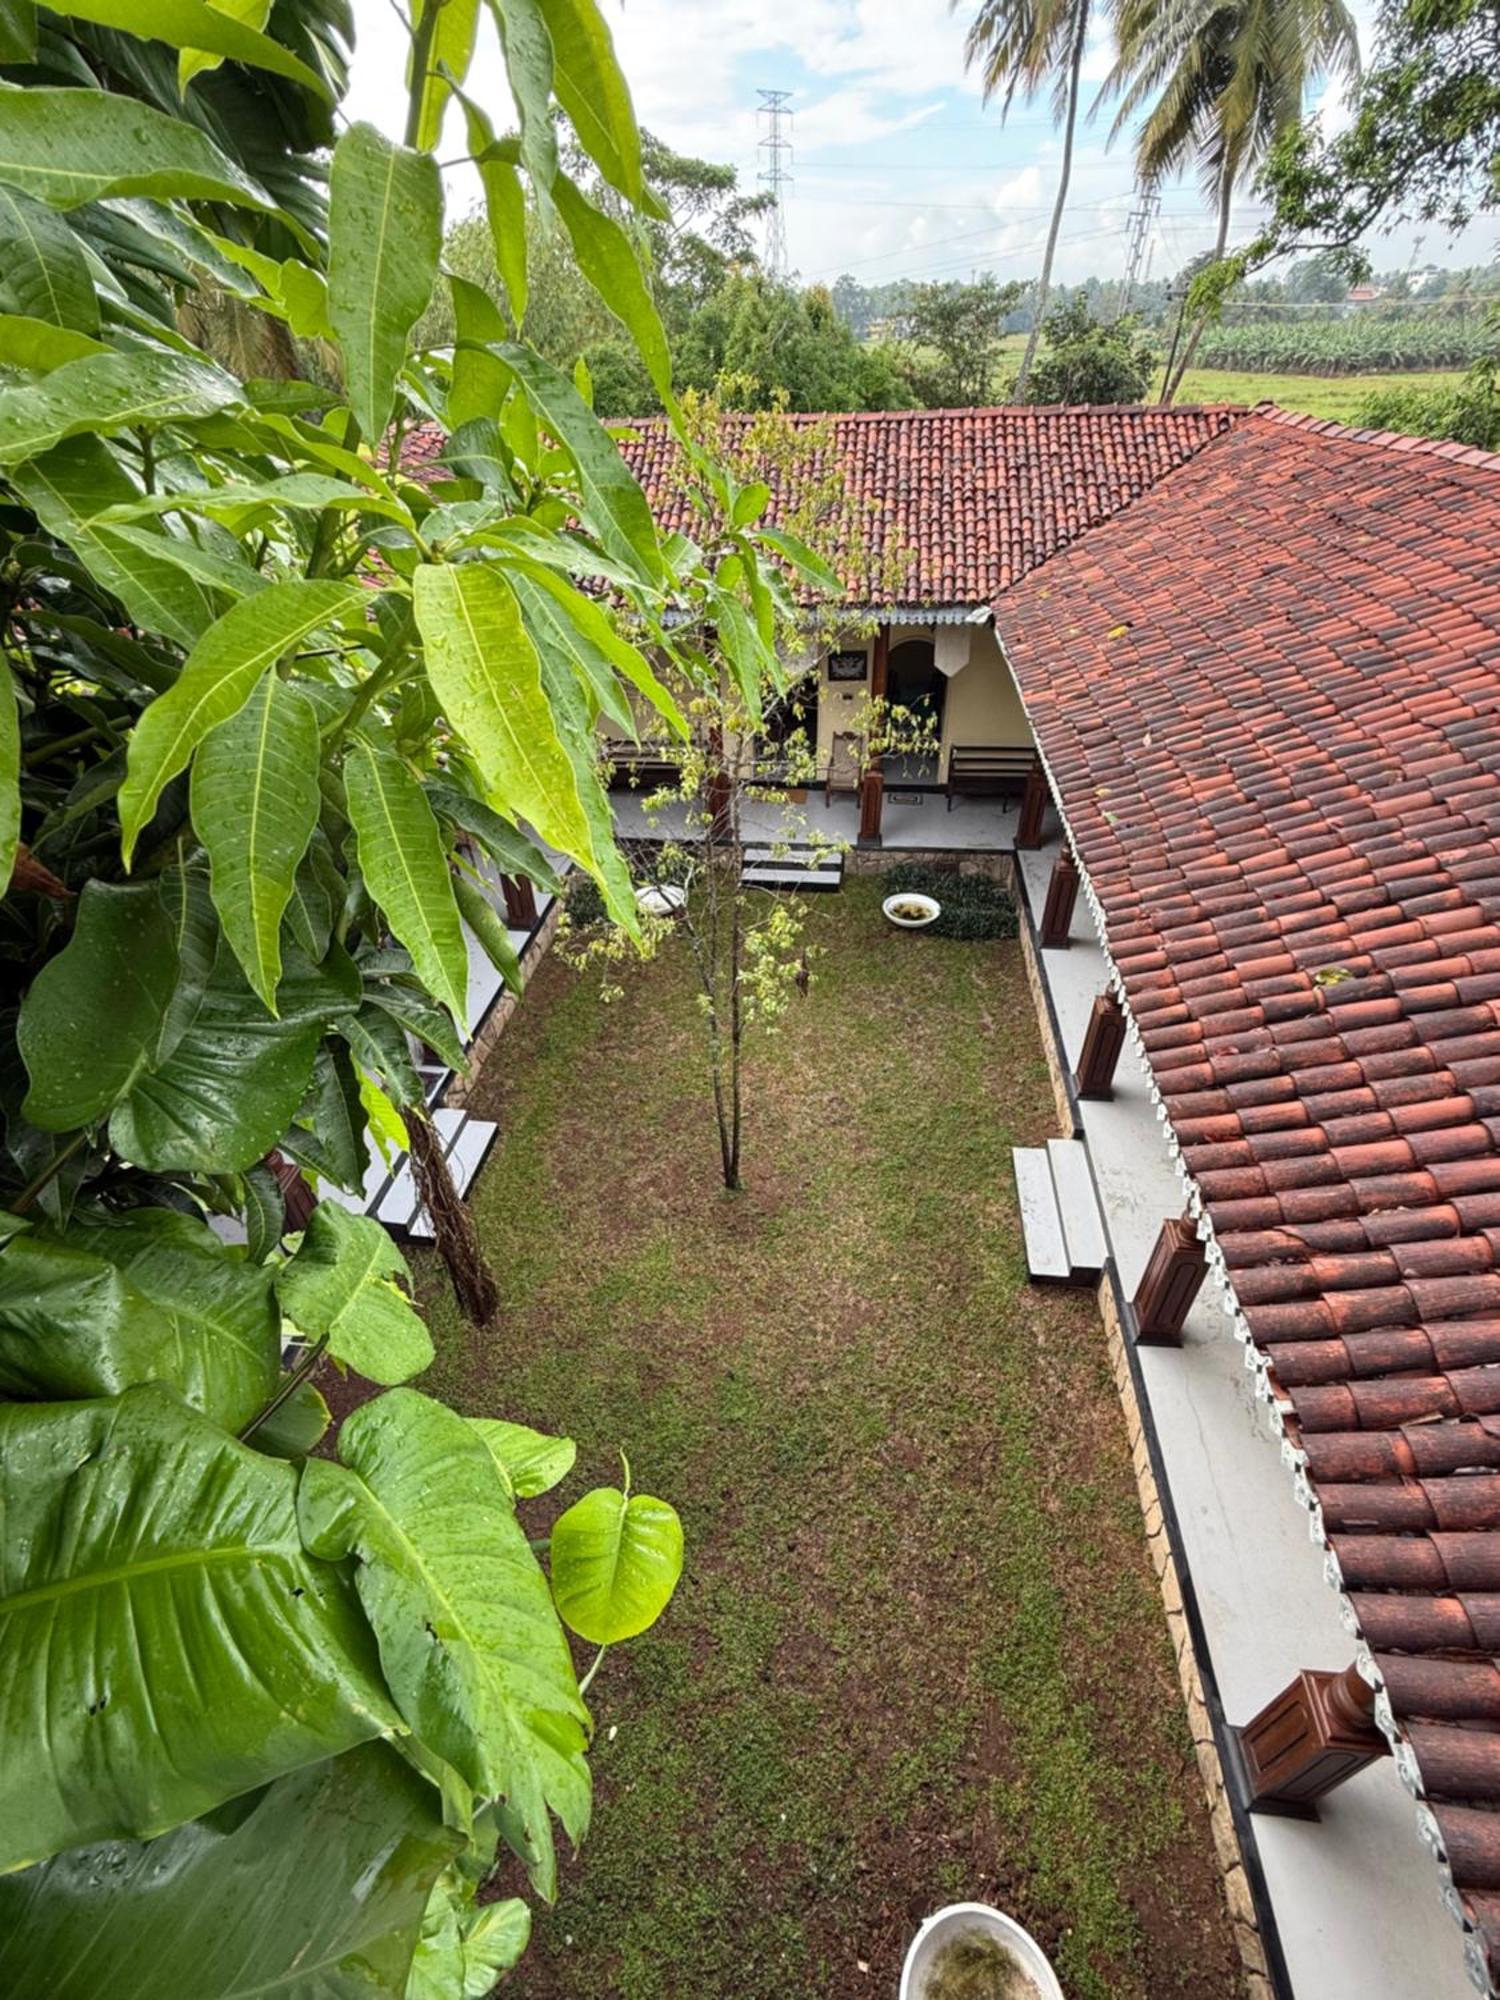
x=1169, y=1284
x=1062, y=894
x=1033, y=807
x=520, y=902
x=1095, y=1075
x=1316, y=1733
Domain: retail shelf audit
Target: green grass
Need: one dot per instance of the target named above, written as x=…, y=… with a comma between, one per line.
x=1336, y=396
x=917, y=1654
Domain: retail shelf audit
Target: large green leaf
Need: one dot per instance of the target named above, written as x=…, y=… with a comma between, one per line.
x=310, y=1889
x=37, y=346
x=232, y=1084
x=161, y=1613
x=591, y=88
x=582, y=629
x=402, y=859
x=17, y=31
x=255, y=801
x=43, y=271
x=481, y=379
x=615, y=1563
x=611, y=502
x=385, y=231
x=469, y=1640
x=216, y=681
x=532, y=1461
x=152, y=1296
x=238, y=502
x=504, y=203
x=463, y=1948
x=330, y=1134
x=609, y=261
x=489, y=679
x=341, y=1284
x=509, y=849
x=197, y=24
x=101, y=393
x=528, y=69
x=67, y=147
x=92, y=1018
x=449, y=54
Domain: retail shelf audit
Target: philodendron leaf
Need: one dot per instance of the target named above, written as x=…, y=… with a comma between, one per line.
x=311, y=1889
x=615, y=1563
x=233, y=1081
x=91, y=1020
x=198, y=24
x=488, y=678
x=161, y=1611
x=255, y=803
x=149, y=1295
x=341, y=1283
x=469, y=1640
x=463, y=1948
x=264, y=1210
x=405, y=867
x=217, y=679
x=102, y=393
x=385, y=220
x=532, y=1461
x=67, y=147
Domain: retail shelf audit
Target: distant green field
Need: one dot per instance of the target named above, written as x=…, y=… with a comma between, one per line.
x=1336, y=396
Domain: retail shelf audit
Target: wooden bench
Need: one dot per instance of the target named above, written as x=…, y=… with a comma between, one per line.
x=643, y=765
x=988, y=770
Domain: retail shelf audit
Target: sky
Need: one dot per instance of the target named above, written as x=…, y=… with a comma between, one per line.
x=899, y=168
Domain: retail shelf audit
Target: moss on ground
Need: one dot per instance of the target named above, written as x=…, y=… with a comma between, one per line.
x=918, y=1654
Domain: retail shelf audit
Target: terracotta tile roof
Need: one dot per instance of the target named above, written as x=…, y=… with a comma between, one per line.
x=1269, y=698
x=979, y=497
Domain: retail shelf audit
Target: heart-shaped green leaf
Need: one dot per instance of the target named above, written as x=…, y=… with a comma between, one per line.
x=615, y=1563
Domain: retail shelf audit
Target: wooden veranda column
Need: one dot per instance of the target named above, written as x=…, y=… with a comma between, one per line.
x=872, y=784
x=1062, y=894
x=520, y=902
x=1317, y=1732
x=1033, y=807
x=1095, y=1075
x=1169, y=1284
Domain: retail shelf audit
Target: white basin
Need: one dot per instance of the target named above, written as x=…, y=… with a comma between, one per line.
x=909, y=899
x=944, y=1926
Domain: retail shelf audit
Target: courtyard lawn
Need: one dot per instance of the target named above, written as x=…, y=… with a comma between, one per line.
x=918, y=1654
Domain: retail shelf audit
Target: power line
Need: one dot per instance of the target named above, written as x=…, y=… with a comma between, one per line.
x=775, y=150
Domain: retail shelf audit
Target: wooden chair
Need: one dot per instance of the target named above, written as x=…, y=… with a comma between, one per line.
x=845, y=759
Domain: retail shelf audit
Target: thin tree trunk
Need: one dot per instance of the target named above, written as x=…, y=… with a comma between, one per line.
x=458, y=1243
x=1070, y=124
x=736, y=953
x=1171, y=386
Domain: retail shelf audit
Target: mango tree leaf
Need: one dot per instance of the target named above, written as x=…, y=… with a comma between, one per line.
x=37, y=346
x=801, y=557
x=576, y=733
x=611, y=502
x=527, y=48
x=301, y=492
x=615, y=1563
x=410, y=1007
x=583, y=630
x=489, y=680
x=101, y=393
x=385, y=232
x=10, y=777
x=449, y=56
x=481, y=379
x=506, y=846
x=592, y=90
x=17, y=31
x=44, y=273
x=329, y=1134
x=405, y=867
x=66, y=147
x=341, y=1284
x=161, y=1612
x=90, y=1023
x=608, y=259
x=469, y=1641
x=216, y=681
x=531, y=1461
x=255, y=802
x=311, y=1888
x=490, y=931
x=193, y=63
x=232, y=1084
x=504, y=203
x=195, y=934
x=196, y=24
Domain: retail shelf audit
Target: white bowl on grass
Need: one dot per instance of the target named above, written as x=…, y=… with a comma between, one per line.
x=943, y=1927
x=908, y=899
x=665, y=902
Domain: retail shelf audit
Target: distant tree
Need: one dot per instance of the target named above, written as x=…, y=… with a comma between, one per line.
x=1022, y=45
x=956, y=332
x=1223, y=82
x=1422, y=146
x=1468, y=413
x=1315, y=281
x=1086, y=361
x=789, y=345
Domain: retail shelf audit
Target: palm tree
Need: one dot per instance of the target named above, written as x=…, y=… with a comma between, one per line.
x=1224, y=80
x=1018, y=45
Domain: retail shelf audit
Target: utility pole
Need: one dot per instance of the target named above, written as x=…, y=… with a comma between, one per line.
x=1138, y=257
x=775, y=122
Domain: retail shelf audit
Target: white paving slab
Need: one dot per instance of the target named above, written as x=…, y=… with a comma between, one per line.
x=1356, y=1895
